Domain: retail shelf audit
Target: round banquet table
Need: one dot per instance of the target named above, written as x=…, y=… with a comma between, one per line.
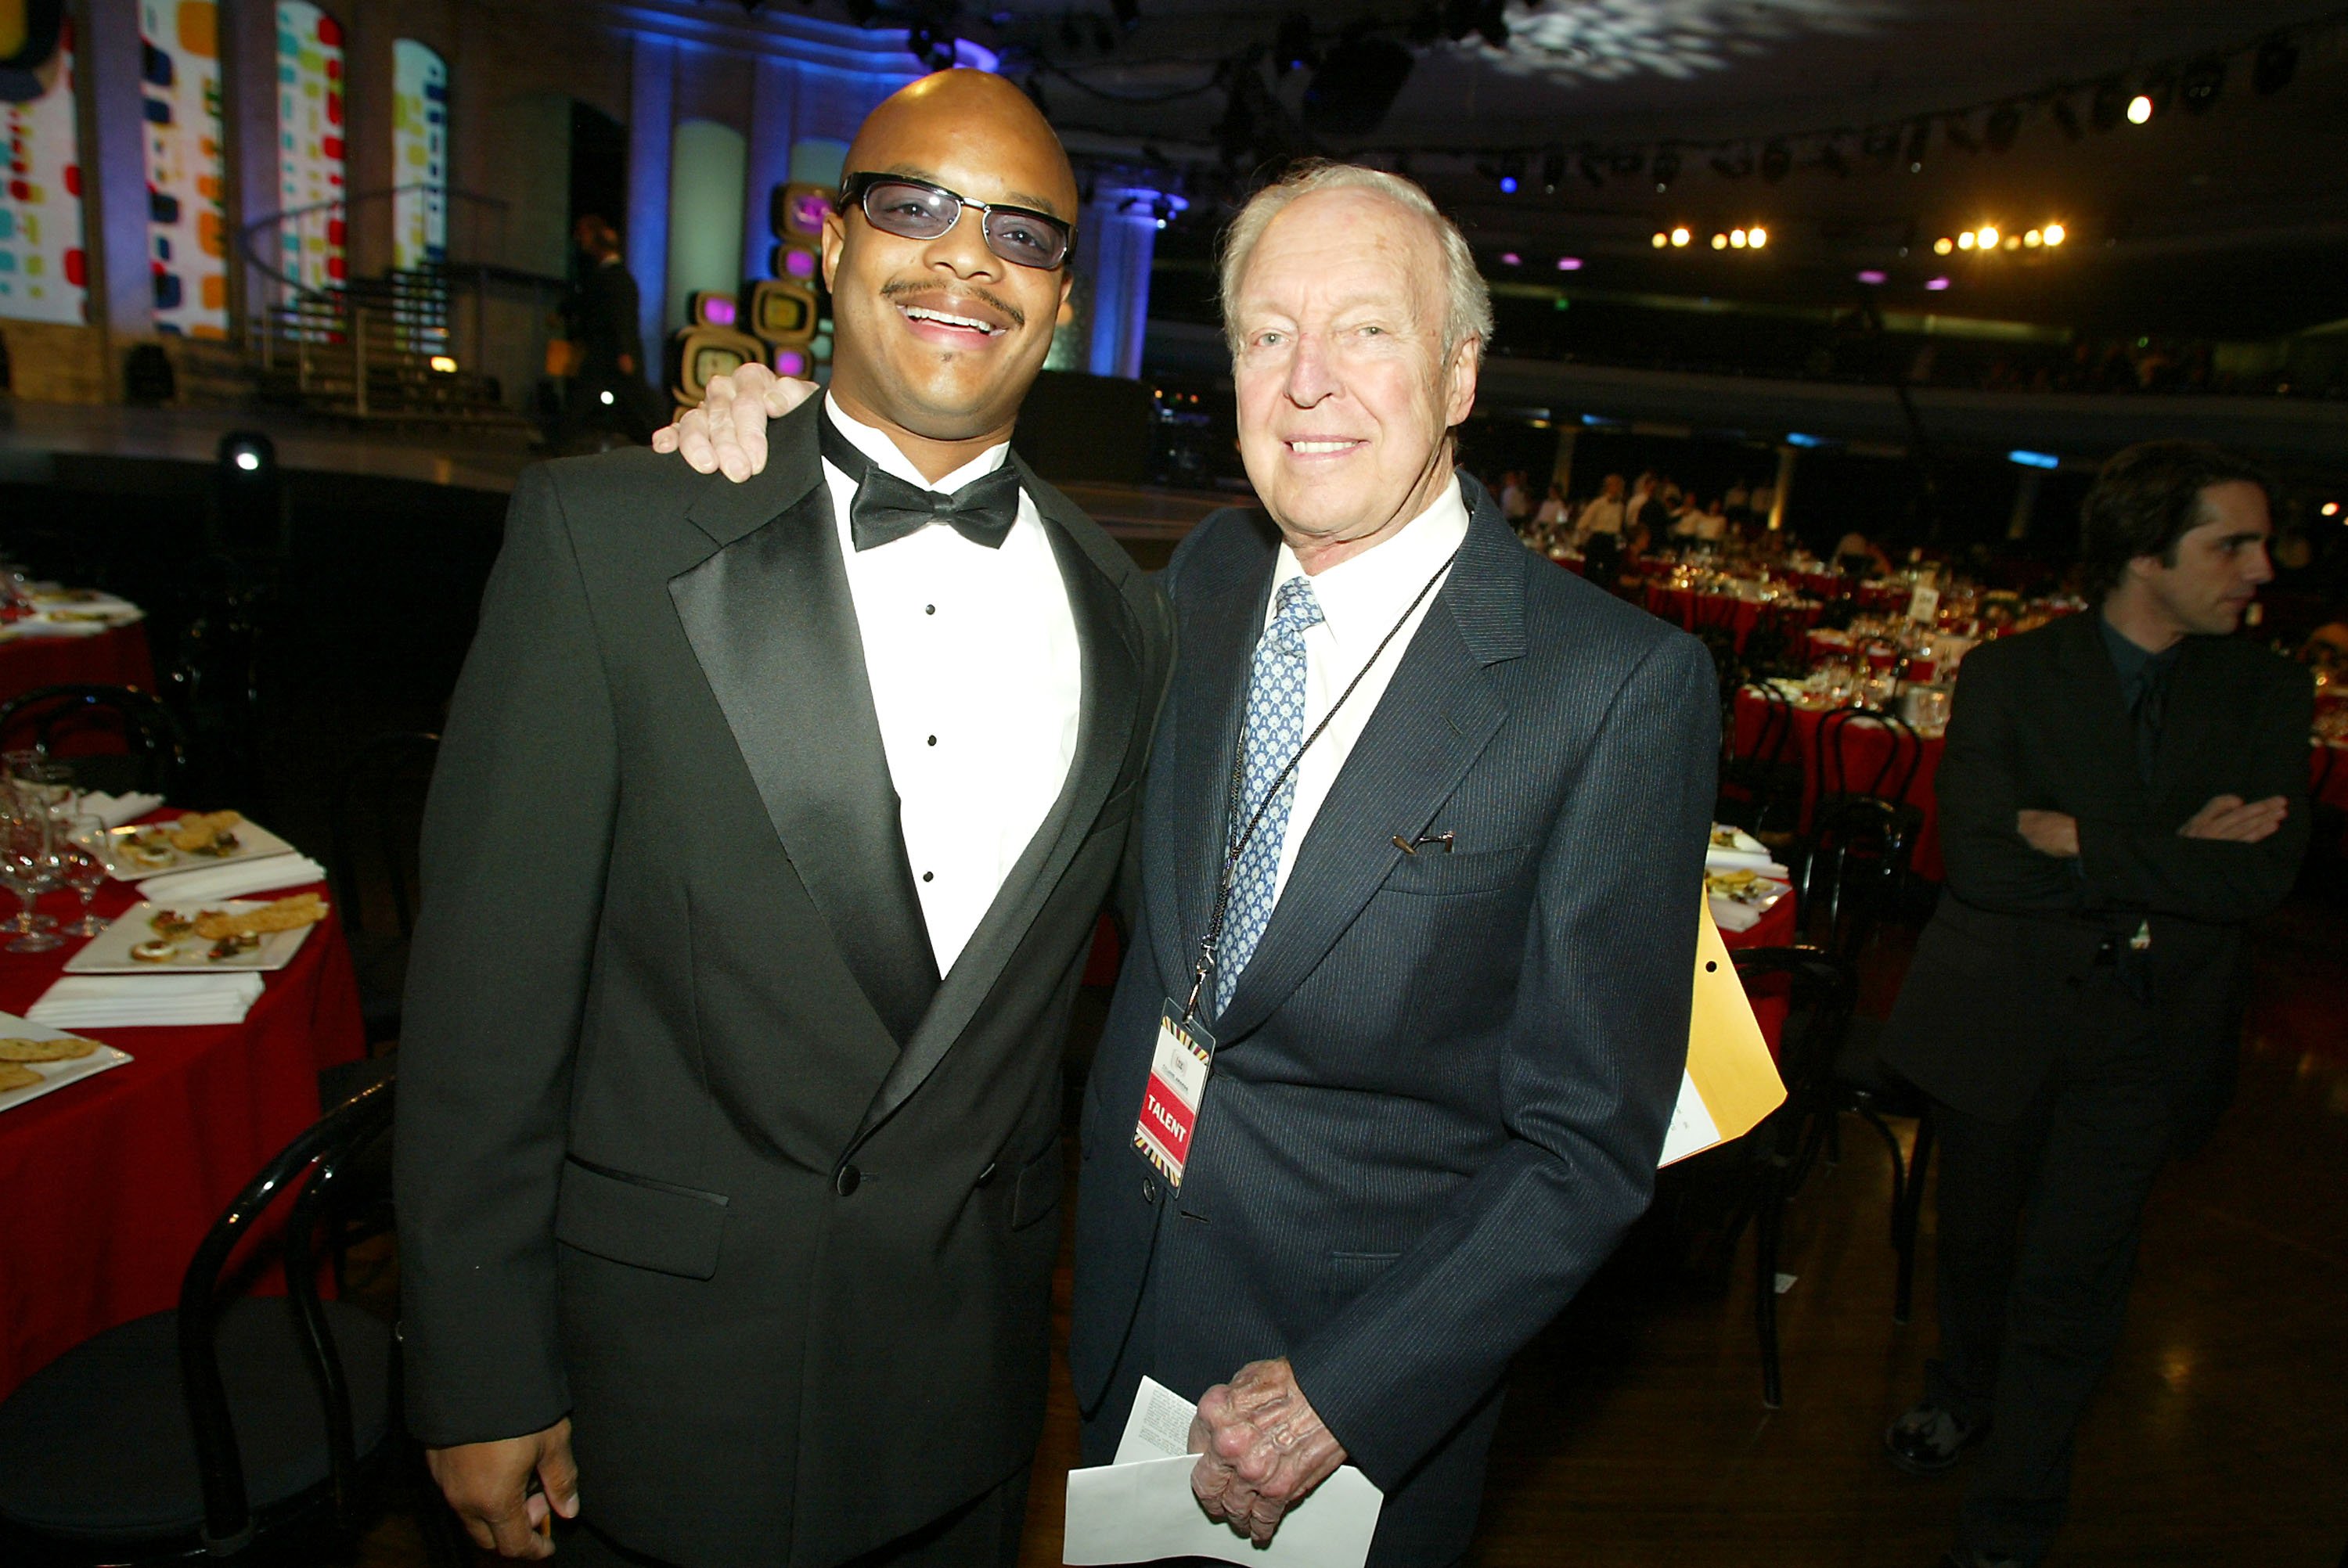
x=1694, y=611
x=1864, y=747
x=111, y=1181
x=117, y=656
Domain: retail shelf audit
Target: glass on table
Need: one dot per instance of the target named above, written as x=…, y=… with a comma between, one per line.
x=29, y=865
x=82, y=856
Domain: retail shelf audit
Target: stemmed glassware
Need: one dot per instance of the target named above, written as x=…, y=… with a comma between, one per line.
x=82, y=854
x=29, y=866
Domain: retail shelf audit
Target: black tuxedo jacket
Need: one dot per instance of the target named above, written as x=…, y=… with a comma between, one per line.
x=2039, y=722
x=662, y=1161
x=1443, y=1080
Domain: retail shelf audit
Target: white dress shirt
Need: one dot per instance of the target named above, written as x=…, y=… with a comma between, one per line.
x=1603, y=515
x=1360, y=598
x=978, y=680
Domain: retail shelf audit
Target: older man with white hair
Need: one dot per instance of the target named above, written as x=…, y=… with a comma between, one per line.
x=1390, y=1062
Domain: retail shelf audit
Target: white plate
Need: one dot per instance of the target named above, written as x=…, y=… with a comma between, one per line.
x=253, y=841
x=54, y=1074
x=109, y=952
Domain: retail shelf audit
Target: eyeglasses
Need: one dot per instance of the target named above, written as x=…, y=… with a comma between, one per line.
x=917, y=209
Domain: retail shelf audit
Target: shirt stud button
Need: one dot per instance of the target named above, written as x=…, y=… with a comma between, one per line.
x=929, y=609
x=933, y=740
x=929, y=876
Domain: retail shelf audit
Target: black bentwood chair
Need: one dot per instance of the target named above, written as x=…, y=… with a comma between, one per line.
x=62, y=720
x=226, y=1426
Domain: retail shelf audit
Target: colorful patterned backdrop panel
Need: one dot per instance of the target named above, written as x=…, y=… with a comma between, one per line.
x=420, y=154
x=310, y=143
x=187, y=226
x=43, y=271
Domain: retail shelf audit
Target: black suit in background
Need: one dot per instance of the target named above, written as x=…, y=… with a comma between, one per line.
x=662, y=1163
x=2065, y=1063
x=1443, y=1081
x=603, y=314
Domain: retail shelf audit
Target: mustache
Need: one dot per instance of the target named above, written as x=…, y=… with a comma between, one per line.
x=893, y=291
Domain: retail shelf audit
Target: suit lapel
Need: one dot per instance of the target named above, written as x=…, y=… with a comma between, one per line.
x=1435, y=718
x=772, y=624
x=1109, y=644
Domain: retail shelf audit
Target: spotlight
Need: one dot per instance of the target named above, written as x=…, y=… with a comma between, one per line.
x=1680, y=236
x=2109, y=106
x=1512, y=173
x=442, y=363
x=1920, y=141
x=1943, y=245
x=2067, y=119
x=1871, y=278
x=1737, y=237
x=1965, y=242
x=1986, y=236
x=2140, y=109
x=1568, y=264
x=2014, y=242
x=1552, y=171
x=248, y=452
x=1510, y=259
x=1291, y=46
x=1720, y=241
x=1777, y=159
x=1661, y=239
x=606, y=398
x=2005, y=124
x=1667, y=169
x=2330, y=508
x=2203, y=80
x=1936, y=284
x=1756, y=236
x=2277, y=63
x=2033, y=239
x=2054, y=233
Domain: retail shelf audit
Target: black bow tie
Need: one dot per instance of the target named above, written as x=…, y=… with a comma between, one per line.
x=887, y=508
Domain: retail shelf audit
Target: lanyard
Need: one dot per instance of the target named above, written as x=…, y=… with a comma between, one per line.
x=1236, y=798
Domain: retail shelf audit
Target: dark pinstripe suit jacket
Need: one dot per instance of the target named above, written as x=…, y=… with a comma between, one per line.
x=1444, y=1079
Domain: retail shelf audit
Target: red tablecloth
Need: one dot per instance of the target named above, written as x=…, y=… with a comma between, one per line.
x=116, y=657
x=1696, y=612
x=1779, y=927
x=1864, y=747
x=107, y=1184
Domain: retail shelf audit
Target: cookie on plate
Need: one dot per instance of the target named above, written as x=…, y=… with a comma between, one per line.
x=15, y=1076
x=64, y=1049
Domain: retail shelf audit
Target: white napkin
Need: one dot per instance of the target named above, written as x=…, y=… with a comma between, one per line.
x=118, y=810
x=37, y=627
x=1746, y=853
x=211, y=883
x=99, y=1001
x=1728, y=914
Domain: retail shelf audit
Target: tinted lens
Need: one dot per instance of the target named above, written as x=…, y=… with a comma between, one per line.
x=910, y=211
x=1028, y=241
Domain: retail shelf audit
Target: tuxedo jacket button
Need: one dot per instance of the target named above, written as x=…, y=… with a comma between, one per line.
x=1149, y=1189
x=847, y=1180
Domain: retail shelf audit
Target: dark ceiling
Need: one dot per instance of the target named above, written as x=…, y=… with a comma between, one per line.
x=2228, y=219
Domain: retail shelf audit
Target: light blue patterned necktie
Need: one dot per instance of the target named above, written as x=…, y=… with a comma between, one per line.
x=1274, y=734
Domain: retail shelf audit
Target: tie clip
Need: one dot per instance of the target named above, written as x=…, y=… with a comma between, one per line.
x=1414, y=846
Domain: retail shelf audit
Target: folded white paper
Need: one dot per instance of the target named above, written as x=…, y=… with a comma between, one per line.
x=231, y=881
x=97, y=1001
x=1733, y=914
x=117, y=810
x=1141, y=1508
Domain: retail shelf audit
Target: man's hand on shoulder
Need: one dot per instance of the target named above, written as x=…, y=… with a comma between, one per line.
x=728, y=432
x=2229, y=817
x=488, y=1486
x=1260, y=1448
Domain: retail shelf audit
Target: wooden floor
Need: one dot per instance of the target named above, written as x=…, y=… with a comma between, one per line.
x=1635, y=1433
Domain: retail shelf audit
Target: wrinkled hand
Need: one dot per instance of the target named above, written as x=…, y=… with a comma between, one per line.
x=2049, y=833
x=488, y=1486
x=2227, y=816
x=1260, y=1448
x=728, y=432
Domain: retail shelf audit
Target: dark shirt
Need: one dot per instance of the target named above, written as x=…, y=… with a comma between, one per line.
x=2144, y=686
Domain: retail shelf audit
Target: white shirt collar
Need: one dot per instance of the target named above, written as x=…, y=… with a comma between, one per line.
x=1361, y=598
x=886, y=457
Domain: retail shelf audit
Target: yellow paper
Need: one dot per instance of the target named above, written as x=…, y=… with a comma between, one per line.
x=1729, y=1069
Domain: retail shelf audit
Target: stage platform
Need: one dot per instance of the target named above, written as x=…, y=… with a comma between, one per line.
x=164, y=450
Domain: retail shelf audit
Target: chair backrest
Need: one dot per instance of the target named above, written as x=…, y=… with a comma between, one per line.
x=1894, y=771
x=379, y=799
x=328, y=1145
x=1824, y=991
x=1858, y=849
x=58, y=718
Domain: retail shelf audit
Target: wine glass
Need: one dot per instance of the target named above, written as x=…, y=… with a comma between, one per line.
x=28, y=865
x=82, y=854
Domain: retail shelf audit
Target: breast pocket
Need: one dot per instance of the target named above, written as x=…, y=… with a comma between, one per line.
x=1433, y=874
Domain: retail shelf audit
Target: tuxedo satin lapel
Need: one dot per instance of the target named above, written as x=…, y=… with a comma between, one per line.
x=2100, y=732
x=1220, y=612
x=1109, y=641
x=771, y=622
x=1435, y=718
